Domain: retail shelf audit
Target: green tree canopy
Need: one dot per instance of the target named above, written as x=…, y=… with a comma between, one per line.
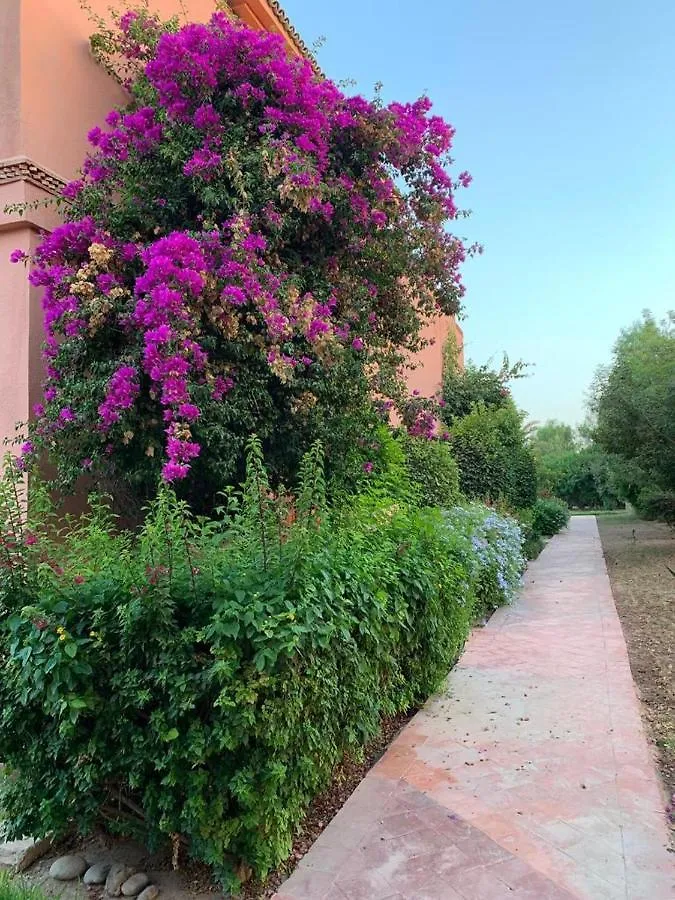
x=553, y=437
x=633, y=399
x=465, y=386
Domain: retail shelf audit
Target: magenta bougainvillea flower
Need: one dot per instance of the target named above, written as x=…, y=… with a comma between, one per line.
x=239, y=231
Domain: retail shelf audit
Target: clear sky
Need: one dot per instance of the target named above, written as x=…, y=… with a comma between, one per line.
x=565, y=117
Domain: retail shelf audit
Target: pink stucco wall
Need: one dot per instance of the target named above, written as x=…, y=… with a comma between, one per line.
x=427, y=375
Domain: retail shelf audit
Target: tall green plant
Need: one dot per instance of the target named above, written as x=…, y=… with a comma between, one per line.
x=197, y=682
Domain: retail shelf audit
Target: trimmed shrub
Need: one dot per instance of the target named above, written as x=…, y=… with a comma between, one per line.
x=549, y=515
x=432, y=471
x=494, y=462
x=203, y=678
x=533, y=542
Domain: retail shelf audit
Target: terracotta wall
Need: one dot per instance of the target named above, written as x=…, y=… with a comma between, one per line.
x=427, y=375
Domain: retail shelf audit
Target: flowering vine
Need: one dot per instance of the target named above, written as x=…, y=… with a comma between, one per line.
x=242, y=234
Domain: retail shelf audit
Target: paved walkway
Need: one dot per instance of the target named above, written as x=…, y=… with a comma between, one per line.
x=529, y=777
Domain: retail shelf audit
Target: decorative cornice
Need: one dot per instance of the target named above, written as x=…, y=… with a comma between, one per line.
x=20, y=168
x=269, y=15
x=290, y=28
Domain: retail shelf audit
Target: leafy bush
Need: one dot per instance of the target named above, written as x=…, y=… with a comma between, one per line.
x=533, y=542
x=581, y=476
x=466, y=386
x=657, y=505
x=494, y=461
x=233, y=261
x=549, y=515
x=432, y=471
x=201, y=679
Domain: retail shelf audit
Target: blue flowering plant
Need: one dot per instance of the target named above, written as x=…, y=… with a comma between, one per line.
x=496, y=553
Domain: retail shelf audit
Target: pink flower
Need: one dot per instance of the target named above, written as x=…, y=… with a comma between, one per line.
x=72, y=189
x=17, y=256
x=221, y=386
x=173, y=471
x=30, y=539
x=189, y=412
x=357, y=344
x=368, y=467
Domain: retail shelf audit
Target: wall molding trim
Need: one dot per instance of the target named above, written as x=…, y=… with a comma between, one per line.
x=20, y=168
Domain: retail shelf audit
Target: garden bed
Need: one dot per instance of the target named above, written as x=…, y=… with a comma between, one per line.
x=639, y=555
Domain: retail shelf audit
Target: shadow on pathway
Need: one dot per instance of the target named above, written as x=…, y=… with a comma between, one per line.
x=529, y=777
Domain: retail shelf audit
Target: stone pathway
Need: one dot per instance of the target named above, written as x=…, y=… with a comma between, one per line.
x=530, y=777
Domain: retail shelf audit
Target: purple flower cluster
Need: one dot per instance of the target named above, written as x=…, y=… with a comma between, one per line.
x=122, y=391
x=297, y=271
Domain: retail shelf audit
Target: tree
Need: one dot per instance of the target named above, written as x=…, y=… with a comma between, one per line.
x=248, y=249
x=633, y=400
x=553, y=437
x=568, y=468
x=465, y=386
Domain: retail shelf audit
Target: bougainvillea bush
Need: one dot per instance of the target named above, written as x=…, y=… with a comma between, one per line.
x=197, y=682
x=247, y=249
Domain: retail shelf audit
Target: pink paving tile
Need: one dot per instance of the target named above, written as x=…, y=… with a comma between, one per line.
x=478, y=884
x=306, y=884
x=529, y=776
x=438, y=889
x=366, y=886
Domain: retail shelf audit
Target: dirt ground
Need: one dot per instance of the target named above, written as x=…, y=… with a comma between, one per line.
x=640, y=559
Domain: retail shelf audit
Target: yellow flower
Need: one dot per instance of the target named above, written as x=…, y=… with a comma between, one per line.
x=62, y=637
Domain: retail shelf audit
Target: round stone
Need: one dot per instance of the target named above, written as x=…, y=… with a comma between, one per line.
x=151, y=892
x=97, y=873
x=118, y=874
x=135, y=884
x=66, y=868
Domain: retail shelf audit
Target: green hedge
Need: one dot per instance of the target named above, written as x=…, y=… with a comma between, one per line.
x=549, y=516
x=494, y=462
x=203, y=679
x=432, y=470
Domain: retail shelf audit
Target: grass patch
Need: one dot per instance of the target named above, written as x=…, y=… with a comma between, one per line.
x=16, y=889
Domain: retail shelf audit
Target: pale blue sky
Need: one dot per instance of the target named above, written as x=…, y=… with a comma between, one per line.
x=564, y=116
